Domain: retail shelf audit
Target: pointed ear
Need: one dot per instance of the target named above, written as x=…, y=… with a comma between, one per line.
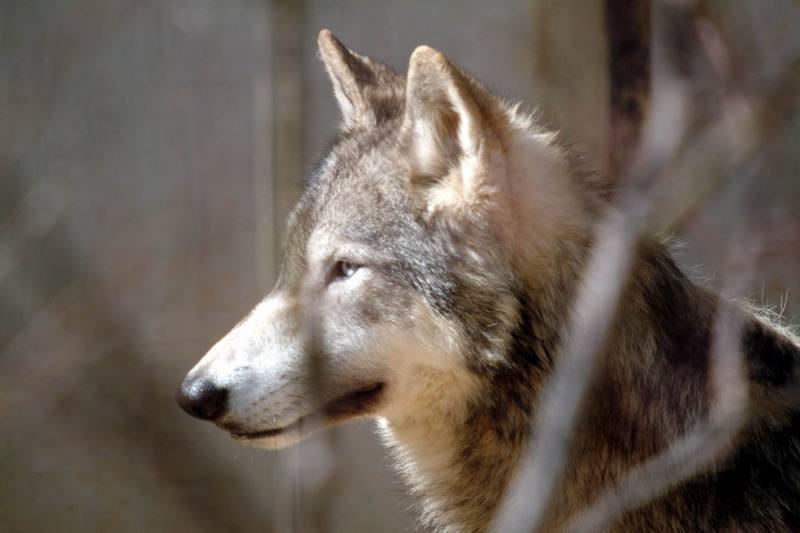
x=448, y=125
x=363, y=87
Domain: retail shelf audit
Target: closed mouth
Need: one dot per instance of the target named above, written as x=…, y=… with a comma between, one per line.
x=352, y=404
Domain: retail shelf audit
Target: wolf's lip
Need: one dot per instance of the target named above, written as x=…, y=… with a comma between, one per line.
x=352, y=404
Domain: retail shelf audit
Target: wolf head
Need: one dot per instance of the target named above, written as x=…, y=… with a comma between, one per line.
x=404, y=260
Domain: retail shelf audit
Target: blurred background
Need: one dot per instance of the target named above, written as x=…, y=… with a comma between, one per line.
x=150, y=152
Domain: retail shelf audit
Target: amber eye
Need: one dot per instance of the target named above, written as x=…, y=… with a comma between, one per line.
x=344, y=269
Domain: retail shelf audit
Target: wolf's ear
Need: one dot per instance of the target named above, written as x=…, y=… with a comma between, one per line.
x=448, y=129
x=363, y=87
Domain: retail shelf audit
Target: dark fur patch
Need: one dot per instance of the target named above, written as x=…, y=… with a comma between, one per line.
x=771, y=358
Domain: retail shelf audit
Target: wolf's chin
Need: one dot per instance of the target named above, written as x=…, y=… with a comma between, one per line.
x=355, y=404
x=282, y=437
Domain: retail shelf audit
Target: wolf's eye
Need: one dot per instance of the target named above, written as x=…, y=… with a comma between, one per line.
x=344, y=269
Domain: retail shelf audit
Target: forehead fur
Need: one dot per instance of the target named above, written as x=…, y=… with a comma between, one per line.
x=355, y=193
x=361, y=180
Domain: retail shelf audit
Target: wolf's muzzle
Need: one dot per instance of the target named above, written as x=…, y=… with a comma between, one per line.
x=202, y=399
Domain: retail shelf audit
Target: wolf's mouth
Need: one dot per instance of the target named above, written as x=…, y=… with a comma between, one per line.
x=352, y=404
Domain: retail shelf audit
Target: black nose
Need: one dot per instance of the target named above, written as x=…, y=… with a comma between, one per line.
x=202, y=399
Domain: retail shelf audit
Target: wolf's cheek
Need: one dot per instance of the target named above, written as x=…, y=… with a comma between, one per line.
x=359, y=301
x=358, y=318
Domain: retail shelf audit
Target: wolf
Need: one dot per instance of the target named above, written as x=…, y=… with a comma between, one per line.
x=427, y=279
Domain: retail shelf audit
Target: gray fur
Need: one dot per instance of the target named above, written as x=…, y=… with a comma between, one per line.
x=511, y=312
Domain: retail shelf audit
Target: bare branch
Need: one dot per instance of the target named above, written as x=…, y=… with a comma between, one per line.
x=673, y=153
x=701, y=447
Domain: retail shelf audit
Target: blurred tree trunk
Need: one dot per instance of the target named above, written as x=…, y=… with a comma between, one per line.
x=629, y=37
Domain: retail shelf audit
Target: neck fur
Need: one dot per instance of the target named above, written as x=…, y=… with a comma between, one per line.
x=459, y=445
x=459, y=448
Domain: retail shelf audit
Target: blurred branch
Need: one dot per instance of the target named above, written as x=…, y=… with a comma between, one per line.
x=628, y=36
x=673, y=152
x=314, y=485
x=702, y=446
